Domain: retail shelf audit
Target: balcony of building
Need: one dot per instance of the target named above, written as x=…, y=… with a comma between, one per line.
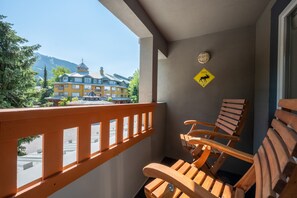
x=244, y=45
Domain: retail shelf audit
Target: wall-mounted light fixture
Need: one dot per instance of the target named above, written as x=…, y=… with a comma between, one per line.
x=203, y=57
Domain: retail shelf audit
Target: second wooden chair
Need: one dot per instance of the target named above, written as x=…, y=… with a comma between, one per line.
x=229, y=125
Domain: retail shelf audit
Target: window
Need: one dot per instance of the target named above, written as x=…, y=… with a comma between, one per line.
x=61, y=87
x=75, y=94
x=107, y=88
x=287, y=61
x=65, y=79
x=88, y=87
x=113, y=95
x=99, y=82
x=65, y=93
x=77, y=79
x=112, y=82
x=61, y=94
x=113, y=88
x=94, y=81
x=98, y=88
x=88, y=80
x=75, y=86
x=291, y=58
x=66, y=86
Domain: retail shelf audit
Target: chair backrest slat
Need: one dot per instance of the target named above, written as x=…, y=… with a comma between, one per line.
x=282, y=152
x=290, y=104
x=278, y=180
x=288, y=135
x=288, y=118
x=231, y=120
x=232, y=115
x=227, y=124
x=259, y=180
x=274, y=162
x=265, y=174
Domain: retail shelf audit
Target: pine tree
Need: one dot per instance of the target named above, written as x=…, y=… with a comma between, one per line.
x=44, y=85
x=45, y=91
x=17, y=79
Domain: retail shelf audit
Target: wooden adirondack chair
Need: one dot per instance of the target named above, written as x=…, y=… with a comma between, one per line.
x=229, y=125
x=273, y=166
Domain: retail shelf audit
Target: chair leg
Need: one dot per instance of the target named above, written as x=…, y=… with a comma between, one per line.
x=202, y=159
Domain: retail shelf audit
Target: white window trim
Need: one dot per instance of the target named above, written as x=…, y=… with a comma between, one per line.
x=282, y=28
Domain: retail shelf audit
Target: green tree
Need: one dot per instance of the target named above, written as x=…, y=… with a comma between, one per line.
x=44, y=84
x=58, y=71
x=17, y=79
x=46, y=91
x=133, y=88
x=109, y=99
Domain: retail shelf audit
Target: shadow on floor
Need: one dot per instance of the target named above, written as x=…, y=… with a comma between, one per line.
x=226, y=177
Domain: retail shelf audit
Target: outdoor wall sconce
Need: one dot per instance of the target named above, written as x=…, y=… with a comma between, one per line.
x=203, y=57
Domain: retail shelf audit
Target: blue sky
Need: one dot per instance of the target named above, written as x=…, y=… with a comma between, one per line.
x=75, y=29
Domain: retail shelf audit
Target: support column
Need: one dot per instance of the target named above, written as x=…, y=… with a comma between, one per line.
x=148, y=70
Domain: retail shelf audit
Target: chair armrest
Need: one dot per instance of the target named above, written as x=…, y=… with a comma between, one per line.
x=195, y=133
x=179, y=180
x=226, y=149
x=191, y=122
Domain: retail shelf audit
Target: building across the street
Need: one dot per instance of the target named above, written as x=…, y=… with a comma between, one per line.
x=91, y=87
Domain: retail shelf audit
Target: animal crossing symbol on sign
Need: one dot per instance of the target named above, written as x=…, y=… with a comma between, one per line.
x=204, y=77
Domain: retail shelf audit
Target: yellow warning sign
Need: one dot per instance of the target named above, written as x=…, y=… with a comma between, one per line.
x=204, y=77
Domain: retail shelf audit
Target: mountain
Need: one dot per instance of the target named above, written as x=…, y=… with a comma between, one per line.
x=50, y=62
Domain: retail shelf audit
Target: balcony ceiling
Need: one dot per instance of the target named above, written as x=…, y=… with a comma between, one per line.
x=182, y=19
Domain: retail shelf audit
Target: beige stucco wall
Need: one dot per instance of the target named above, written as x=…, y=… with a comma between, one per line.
x=262, y=57
x=232, y=63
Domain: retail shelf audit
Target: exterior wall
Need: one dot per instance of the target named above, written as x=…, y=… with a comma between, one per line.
x=119, y=91
x=232, y=63
x=262, y=65
x=122, y=176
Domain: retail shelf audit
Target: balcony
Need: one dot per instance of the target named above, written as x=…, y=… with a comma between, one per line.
x=244, y=60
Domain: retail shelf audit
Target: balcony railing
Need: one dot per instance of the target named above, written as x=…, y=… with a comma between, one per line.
x=51, y=122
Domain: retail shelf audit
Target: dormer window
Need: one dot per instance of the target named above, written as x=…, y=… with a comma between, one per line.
x=88, y=80
x=65, y=79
